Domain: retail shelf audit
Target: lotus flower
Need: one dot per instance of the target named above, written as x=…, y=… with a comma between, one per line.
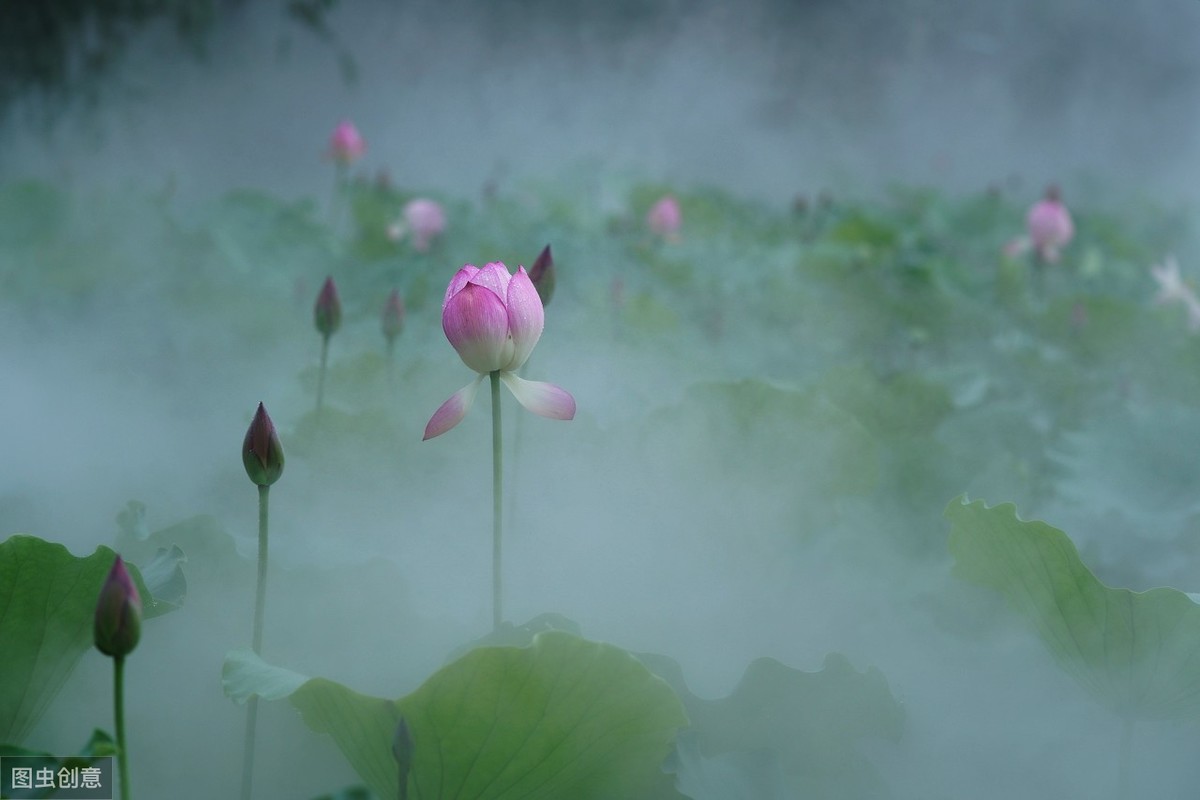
x=494, y=319
x=426, y=220
x=346, y=144
x=1049, y=225
x=327, y=313
x=542, y=275
x=1171, y=289
x=665, y=217
x=118, y=624
x=262, y=454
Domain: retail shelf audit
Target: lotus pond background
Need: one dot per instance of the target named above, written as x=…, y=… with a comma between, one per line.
x=798, y=421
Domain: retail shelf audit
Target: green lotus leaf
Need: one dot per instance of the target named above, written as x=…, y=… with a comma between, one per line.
x=564, y=717
x=1136, y=652
x=785, y=728
x=47, y=608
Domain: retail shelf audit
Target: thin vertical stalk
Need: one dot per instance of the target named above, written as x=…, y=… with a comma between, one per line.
x=260, y=602
x=1126, y=757
x=497, y=499
x=321, y=374
x=119, y=722
x=339, y=182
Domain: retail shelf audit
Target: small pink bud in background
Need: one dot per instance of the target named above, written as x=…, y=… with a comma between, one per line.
x=1050, y=226
x=665, y=218
x=327, y=314
x=346, y=144
x=542, y=275
x=425, y=220
x=262, y=454
x=393, y=316
x=118, y=625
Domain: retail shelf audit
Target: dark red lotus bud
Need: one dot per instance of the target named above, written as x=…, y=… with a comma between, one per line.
x=328, y=312
x=542, y=275
x=118, y=614
x=393, y=316
x=261, y=452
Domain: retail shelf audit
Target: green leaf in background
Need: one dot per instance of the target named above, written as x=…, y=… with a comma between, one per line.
x=1135, y=652
x=47, y=605
x=807, y=723
x=564, y=717
x=349, y=793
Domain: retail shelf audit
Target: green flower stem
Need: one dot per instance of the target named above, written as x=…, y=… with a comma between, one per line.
x=1123, y=765
x=335, y=209
x=119, y=722
x=321, y=374
x=260, y=602
x=497, y=499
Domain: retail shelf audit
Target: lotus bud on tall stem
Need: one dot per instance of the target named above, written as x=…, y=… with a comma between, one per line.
x=544, y=279
x=402, y=751
x=346, y=146
x=118, y=627
x=327, y=316
x=494, y=319
x=262, y=456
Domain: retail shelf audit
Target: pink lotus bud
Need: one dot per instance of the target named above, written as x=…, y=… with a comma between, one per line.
x=327, y=314
x=665, y=218
x=542, y=275
x=393, y=316
x=262, y=454
x=346, y=144
x=1049, y=225
x=118, y=624
x=494, y=319
x=426, y=220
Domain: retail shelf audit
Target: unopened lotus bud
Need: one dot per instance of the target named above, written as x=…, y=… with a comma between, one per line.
x=402, y=745
x=261, y=452
x=118, y=613
x=393, y=316
x=346, y=144
x=542, y=275
x=327, y=314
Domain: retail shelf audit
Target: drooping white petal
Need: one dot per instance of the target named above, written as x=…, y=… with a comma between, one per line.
x=451, y=412
x=543, y=399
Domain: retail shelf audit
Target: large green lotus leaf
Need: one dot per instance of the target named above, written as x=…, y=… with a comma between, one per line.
x=1136, y=652
x=47, y=609
x=806, y=724
x=564, y=717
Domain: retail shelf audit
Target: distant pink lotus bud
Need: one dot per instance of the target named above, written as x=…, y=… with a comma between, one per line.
x=346, y=144
x=1050, y=226
x=493, y=320
x=542, y=275
x=118, y=623
x=393, y=316
x=262, y=454
x=665, y=218
x=426, y=220
x=327, y=314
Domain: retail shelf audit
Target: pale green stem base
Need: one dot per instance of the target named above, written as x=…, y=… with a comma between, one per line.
x=1126, y=757
x=119, y=723
x=321, y=374
x=260, y=602
x=497, y=500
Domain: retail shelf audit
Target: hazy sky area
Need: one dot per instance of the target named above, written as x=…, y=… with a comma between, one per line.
x=126, y=396
x=765, y=98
